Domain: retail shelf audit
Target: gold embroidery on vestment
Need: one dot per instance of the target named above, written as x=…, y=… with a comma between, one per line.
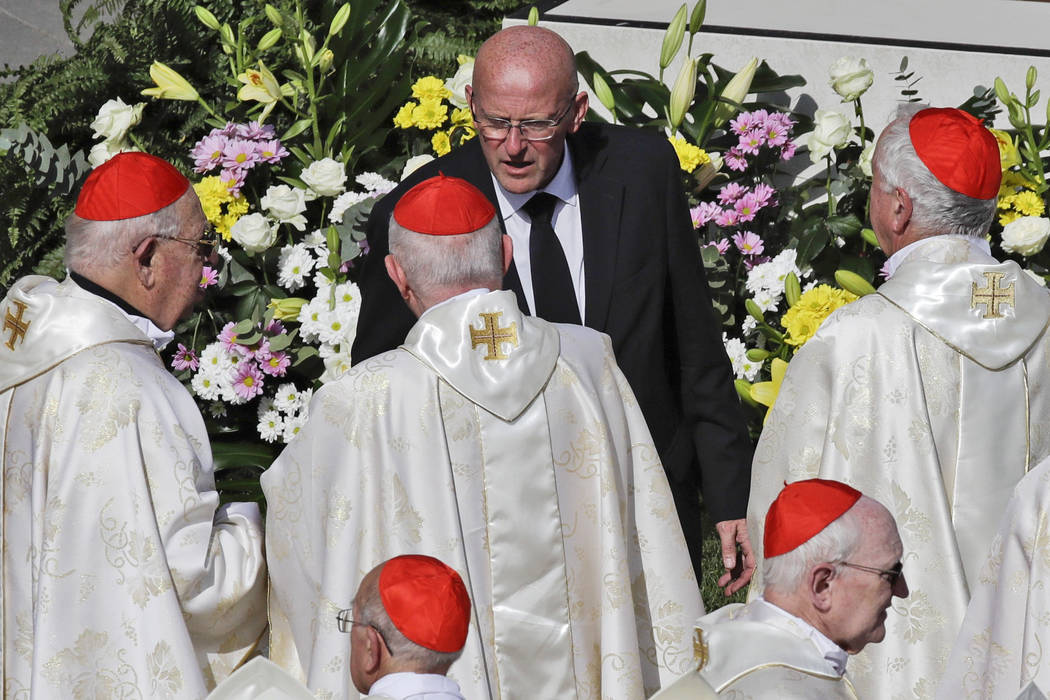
x=993, y=295
x=700, y=649
x=492, y=336
x=16, y=324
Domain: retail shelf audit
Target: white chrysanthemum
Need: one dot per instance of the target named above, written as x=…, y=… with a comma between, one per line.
x=205, y=385
x=288, y=398
x=748, y=325
x=374, y=183
x=292, y=426
x=312, y=317
x=217, y=359
x=294, y=265
x=343, y=202
x=271, y=426
x=315, y=239
x=265, y=404
x=743, y=368
x=337, y=326
x=336, y=362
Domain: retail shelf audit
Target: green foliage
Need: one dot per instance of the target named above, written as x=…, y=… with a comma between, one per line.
x=446, y=28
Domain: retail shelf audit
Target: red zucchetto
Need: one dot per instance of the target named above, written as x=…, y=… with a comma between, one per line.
x=803, y=509
x=958, y=150
x=443, y=206
x=128, y=185
x=427, y=601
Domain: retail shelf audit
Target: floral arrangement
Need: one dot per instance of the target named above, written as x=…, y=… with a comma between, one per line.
x=282, y=309
x=428, y=110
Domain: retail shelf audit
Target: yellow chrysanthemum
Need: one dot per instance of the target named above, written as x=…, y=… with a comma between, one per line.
x=430, y=88
x=462, y=117
x=213, y=194
x=1029, y=203
x=430, y=114
x=689, y=156
x=461, y=134
x=441, y=143
x=804, y=318
x=1009, y=216
x=403, y=118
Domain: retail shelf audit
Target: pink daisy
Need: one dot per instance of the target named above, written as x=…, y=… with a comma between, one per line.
x=256, y=131
x=750, y=143
x=730, y=193
x=274, y=327
x=722, y=245
x=748, y=243
x=209, y=277
x=248, y=381
x=229, y=339
x=728, y=217
x=239, y=154
x=747, y=206
x=276, y=365
x=208, y=151
x=764, y=195
x=743, y=124
x=231, y=130
x=787, y=151
x=735, y=159
x=707, y=211
x=185, y=359
x=270, y=151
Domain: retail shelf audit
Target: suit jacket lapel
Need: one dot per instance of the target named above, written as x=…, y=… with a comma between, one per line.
x=601, y=200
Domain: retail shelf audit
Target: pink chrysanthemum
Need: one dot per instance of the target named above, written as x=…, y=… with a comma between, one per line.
x=884, y=273
x=270, y=151
x=248, y=381
x=231, y=130
x=185, y=359
x=747, y=206
x=209, y=277
x=750, y=143
x=751, y=261
x=707, y=211
x=743, y=124
x=276, y=365
x=256, y=131
x=787, y=151
x=764, y=195
x=233, y=179
x=722, y=245
x=274, y=327
x=229, y=339
x=239, y=154
x=727, y=218
x=748, y=243
x=730, y=193
x=208, y=152
x=735, y=160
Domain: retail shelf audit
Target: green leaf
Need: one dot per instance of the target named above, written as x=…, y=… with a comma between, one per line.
x=812, y=241
x=844, y=226
x=296, y=129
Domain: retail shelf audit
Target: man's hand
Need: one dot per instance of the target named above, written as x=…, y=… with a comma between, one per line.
x=739, y=569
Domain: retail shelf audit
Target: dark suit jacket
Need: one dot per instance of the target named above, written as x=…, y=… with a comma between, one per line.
x=645, y=288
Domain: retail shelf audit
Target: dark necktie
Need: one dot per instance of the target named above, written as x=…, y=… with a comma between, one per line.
x=552, y=288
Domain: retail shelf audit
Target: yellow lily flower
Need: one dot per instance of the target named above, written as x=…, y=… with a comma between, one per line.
x=286, y=309
x=765, y=393
x=261, y=86
x=170, y=85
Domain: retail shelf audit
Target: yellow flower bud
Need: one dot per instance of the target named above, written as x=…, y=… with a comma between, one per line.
x=286, y=309
x=603, y=93
x=673, y=37
x=170, y=85
x=324, y=60
x=682, y=93
x=534, y=16
x=852, y=282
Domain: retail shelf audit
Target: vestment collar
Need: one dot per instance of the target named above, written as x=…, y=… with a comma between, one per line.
x=159, y=337
x=484, y=347
x=835, y=655
x=412, y=685
x=977, y=246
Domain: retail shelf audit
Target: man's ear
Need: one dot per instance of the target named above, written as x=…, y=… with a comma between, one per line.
x=374, y=650
x=508, y=252
x=902, y=210
x=818, y=585
x=143, y=255
x=397, y=275
x=579, y=111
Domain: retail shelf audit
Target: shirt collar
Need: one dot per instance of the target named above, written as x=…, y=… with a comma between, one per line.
x=835, y=655
x=397, y=684
x=562, y=186
x=159, y=338
x=898, y=258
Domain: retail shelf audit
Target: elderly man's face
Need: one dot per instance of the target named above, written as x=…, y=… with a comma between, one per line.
x=861, y=598
x=180, y=263
x=521, y=94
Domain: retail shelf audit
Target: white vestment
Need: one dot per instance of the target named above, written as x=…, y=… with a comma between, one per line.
x=1004, y=643
x=122, y=577
x=755, y=651
x=414, y=686
x=533, y=475
x=918, y=400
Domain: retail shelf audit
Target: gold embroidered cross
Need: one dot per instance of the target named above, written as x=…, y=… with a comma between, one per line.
x=993, y=295
x=16, y=324
x=700, y=652
x=493, y=337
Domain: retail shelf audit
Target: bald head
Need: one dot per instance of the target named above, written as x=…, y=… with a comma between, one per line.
x=526, y=54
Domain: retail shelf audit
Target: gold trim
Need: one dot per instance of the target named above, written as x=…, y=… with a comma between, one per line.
x=1027, y=418
x=953, y=346
x=763, y=667
x=701, y=653
x=56, y=363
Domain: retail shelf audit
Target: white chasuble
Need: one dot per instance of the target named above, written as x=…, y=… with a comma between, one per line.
x=932, y=396
x=1004, y=643
x=531, y=472
x=122, y=576
x=754, y=651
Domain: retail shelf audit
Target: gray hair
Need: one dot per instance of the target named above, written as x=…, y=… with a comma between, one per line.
x=419, y=658
x=95, y=245
x=936, y=209
x=835, y=543
x=436, y=263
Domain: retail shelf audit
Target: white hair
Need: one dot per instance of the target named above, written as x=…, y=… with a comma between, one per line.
x=419, y=658
x=436, y=263
x=834, y=544
x=936, y=209
x=98, y=245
